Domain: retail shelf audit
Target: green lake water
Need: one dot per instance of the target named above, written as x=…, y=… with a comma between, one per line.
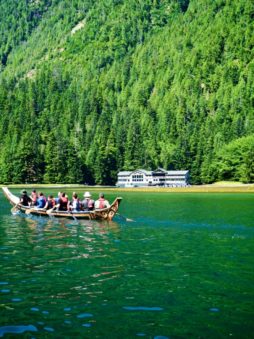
x=184, y=268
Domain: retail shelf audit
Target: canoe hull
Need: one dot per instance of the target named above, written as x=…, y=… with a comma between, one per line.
x=97, y=214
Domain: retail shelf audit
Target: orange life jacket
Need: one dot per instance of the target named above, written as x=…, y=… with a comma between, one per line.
x=101, y=203
x=34, y=197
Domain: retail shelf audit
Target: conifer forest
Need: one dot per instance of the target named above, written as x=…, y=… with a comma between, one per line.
x=89, y=88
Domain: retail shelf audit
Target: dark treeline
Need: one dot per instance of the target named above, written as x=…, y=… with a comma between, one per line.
x=88, y=88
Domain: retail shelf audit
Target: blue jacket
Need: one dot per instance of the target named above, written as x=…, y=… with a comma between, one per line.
x=41, y=202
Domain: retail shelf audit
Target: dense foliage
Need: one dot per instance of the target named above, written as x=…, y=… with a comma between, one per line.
x=88, y=88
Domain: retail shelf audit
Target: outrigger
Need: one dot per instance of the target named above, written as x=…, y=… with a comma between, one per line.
x=97, y=214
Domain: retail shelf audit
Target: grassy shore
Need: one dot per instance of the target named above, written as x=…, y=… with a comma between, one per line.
x=219, y=187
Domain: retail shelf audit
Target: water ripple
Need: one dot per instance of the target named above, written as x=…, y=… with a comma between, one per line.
x=84, y=315
x=85, y=280
x=17, y=329
x=142, y=308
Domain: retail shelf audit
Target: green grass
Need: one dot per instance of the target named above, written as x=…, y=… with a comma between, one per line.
x=218, y=187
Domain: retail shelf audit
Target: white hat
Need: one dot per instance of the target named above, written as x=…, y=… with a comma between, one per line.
x=87, y=195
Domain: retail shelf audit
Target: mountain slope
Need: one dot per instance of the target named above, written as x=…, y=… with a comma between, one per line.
x=99, y=87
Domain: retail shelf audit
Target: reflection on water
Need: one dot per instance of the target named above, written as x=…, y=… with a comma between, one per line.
x=51, y=275
x=79, y=239
x=56, y=226
x=166, y=275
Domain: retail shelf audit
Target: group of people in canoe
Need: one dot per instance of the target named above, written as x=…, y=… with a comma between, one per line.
x=62, y=203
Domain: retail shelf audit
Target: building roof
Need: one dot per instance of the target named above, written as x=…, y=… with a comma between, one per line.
x=142, y=171
x=177, y=172
x=135, y=171
x=158, y=170
x=124, y=173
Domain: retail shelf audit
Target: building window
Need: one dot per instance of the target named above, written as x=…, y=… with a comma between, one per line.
x=137, y=177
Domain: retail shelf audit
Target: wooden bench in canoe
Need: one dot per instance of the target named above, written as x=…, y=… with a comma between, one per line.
x=97, y=214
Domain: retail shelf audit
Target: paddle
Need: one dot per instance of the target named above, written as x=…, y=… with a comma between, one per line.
x=124, y=218
x=14, y=209
x=28, y=211
x=70, y=213
x=49, y=212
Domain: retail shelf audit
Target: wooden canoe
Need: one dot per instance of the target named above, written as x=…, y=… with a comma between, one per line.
x=97, y=214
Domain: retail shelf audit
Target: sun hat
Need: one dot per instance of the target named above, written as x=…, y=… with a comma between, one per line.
x=87, y=195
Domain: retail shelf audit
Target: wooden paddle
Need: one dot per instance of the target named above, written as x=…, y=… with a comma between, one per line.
x=124, y=218
x=15, y=209
x=50, y=210
x=28, y=211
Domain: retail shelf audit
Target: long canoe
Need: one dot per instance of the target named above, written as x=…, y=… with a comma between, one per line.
x=97, y=214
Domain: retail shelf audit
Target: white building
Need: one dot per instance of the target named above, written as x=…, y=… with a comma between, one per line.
x=159, y=177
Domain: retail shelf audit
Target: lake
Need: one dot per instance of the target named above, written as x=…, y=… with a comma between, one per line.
x=183, y=268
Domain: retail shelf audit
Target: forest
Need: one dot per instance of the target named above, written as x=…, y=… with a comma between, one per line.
x=90, y=88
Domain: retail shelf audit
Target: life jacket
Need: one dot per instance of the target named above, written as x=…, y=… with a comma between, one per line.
x=51, y=203
x=63, y=203
x=91, y=204
x=34, y=197
x=101, y=203
x=88, y=204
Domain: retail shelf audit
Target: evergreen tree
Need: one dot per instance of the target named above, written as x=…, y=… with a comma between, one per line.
x=90, y=88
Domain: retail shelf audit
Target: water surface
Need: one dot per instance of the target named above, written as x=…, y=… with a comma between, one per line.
x=182, y=269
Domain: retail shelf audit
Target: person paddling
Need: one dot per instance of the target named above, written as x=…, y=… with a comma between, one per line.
x=102, y=202
x=34, y=197
x=50, y=202
x=88, y=202
x=63, y=202
x=74, y=206
x=24, y=199
x=41, y=201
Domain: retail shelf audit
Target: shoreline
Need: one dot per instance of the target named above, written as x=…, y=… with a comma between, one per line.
x=222, y=187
